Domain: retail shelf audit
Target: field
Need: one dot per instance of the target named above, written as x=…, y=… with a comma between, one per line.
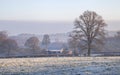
x=60, y=66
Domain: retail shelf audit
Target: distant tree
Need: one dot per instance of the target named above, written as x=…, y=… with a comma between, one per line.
x=9, y=45
x=89, y=27
x=118, y=34
x=32, y=43
x=117, y=37
x=46, y=40
x=74, y=45
x=64, y=48
x=3, y=35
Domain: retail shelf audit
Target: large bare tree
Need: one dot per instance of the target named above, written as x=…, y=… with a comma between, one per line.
x=89, y=27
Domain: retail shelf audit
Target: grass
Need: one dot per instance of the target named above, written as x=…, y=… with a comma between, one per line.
x=60, y=66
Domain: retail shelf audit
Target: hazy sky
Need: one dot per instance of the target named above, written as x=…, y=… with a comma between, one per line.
x=61, y=13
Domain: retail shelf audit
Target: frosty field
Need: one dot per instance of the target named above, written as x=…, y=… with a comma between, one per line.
x=60, y=66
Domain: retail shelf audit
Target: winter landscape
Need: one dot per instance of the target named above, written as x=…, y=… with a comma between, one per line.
x=59, y=37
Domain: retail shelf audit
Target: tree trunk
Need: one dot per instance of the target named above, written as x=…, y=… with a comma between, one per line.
x=33, y=51
x=73, y=52
x=89, y=48
x=47, y=49
x=8, y=53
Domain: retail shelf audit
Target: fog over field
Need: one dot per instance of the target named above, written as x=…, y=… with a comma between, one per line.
x=36, y=27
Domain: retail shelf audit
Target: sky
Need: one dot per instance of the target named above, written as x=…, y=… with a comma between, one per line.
x=53, y=16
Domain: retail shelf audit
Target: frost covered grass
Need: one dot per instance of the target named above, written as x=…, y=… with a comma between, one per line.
x=60, y=66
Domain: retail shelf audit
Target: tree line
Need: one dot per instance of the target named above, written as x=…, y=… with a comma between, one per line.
x=7, y=44
x=88, y=34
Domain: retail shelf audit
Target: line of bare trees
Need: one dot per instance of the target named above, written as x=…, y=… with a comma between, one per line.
x=10, y=46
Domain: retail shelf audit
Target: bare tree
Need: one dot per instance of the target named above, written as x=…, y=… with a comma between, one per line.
x=89, y=27
x=73, y=43
x=9, y=45
x=117, y=37
x=46, y=40
x=3, y=35
x=32, y=43
x=118, y=34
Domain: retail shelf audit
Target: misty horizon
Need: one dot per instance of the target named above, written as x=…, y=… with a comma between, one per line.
x=40, y=27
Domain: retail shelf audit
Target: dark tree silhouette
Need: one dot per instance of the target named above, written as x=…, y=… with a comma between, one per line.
x=89, y=27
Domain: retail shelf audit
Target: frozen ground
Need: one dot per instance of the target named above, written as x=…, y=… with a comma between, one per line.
x=61, y=66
